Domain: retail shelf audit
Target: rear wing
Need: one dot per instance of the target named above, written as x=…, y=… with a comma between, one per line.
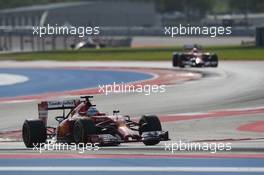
x=56, y=105
x=191, y=46
x=45, y=106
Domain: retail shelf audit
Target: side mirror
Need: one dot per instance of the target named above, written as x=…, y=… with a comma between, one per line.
x=59, y=118
x=127, y=117
x=115, y=112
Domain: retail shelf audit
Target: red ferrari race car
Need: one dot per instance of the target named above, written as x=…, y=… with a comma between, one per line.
x=85, y=124
x=193, y=56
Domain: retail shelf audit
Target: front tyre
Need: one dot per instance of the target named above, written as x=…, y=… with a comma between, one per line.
x=214, y=59
x=147, y=124
x=82, y=129
x=34, y=133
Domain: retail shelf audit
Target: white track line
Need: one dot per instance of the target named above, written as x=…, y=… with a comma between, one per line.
x=134, y=169
x=11, y=79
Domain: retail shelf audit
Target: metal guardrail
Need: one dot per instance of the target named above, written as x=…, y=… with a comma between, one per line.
x=19, y=39
x=124, y=31
x=260, y=36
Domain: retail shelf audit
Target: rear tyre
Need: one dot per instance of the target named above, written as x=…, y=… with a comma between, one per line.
x=180, y=61
x=149, y=123
x=82, y=129
x=34, y=133
x=175, y=60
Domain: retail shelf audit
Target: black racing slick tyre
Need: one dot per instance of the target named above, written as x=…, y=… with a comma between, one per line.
x=180, y=61
x=214, y=58
x=34, y=133
x=149, y=123
x=175, y=60
x=82, y=129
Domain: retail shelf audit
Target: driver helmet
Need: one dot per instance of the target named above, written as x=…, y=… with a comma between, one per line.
x=195, y=50
x=92, y=111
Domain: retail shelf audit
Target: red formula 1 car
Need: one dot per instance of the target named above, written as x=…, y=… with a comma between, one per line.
x=193, y=56
x=85, y=124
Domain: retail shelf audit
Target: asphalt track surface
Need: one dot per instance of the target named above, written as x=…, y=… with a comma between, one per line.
x=225, y=104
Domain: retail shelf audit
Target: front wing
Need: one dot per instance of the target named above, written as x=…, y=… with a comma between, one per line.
x=108, y=139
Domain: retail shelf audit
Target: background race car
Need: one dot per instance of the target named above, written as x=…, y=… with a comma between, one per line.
x=193, y=56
